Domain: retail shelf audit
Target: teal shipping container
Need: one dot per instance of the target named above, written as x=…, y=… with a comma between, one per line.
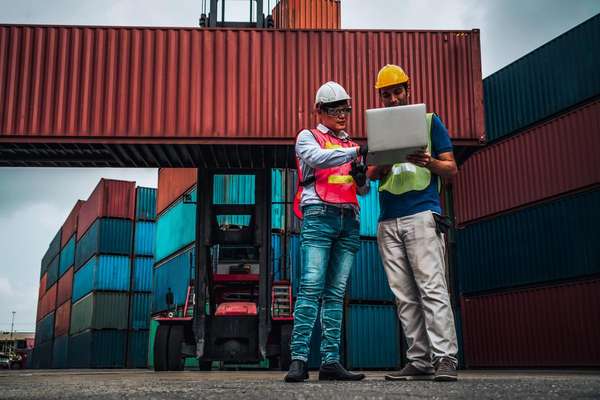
x=102, y=273
x=368, y=280
x=142, y=274
x=548, y=242
x=44, y=330
x=67, y=256
x=98, y=349
x=293, y=262
x=60, y=353
x=558, y=75
x=145, y=204
x=144, y=238
x=140, y=311
x=52, y=252
x=175, y=229
x=137, y=349
x=277, y=259
x=52, y=271
x=373, y=339
x=42, y=355
x=174, y=274
x=100, y=310
x=105, y=236
x=369, y=210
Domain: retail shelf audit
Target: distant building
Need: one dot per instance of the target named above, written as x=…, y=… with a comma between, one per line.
x=18, y=341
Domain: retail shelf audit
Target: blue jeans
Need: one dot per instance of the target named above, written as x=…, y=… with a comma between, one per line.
x=329, y=241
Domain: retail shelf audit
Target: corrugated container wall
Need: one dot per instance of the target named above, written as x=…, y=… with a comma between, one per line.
x=293, y=262
x=53, y=269
x=44, y=330
x=105, y=236
x=307, y=14
x=70, y=225
x=67, y=257
x=65, y=287
x=98, y=349
x=42, y=355
x=174, y=274
x=62, y=319
x=145, y=204
x=102, y=273
x=47, y=303
x=111, y=198
x=144, y=238
x=43, y=283
x=519, y=170
x=175, y=229
x=172, y=183
x=554, y=326
x=100, y=310
x=368, y=280
x=559, y=75
x=52, y=252
x=548, y=242
x=60, y=353
x=137, y=349
x=144, y=83
x=142, y=274
x=140, y=311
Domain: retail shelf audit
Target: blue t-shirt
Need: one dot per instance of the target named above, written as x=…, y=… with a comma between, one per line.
x=416, y=201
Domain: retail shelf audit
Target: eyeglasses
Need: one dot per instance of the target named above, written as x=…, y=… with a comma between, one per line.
x=338, y=111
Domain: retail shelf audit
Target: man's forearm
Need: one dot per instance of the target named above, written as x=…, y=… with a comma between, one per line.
x=445, y=169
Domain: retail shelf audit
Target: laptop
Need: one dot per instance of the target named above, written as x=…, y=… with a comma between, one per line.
x=395, y=132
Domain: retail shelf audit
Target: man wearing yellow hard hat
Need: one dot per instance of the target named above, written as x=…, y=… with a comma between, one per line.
x=411, y=242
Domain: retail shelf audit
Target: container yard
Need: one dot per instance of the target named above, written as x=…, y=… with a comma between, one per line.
x=204, y=280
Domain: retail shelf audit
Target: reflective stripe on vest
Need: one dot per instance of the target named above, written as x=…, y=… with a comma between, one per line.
x=407, y=177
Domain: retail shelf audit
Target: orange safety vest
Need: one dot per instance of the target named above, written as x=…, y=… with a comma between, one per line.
x=332, y=185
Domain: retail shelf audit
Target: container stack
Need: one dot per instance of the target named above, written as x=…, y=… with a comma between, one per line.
x=527, y=208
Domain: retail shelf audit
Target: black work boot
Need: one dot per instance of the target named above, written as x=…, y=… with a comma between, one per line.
x=410, y=373
x=446, y=370
x=298, y=371
x=335, y=372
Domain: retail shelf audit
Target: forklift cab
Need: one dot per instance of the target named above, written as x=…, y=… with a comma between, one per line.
x=234, y=312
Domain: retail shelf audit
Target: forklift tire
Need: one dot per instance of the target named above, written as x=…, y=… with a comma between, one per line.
x=161, y=344
x=285, y=357
x=176, y=360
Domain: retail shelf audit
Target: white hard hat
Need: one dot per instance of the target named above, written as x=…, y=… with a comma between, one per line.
x=331, y=92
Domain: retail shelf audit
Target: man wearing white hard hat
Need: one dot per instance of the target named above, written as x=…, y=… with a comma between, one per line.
x=330, y=177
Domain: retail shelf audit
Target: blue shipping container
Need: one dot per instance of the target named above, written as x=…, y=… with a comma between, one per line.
x=67, y=256
x=141, y=305
x=42, y=355
x=105, y=236
x=145, y=204
x=102, y=273
x=144, y=238
x=174, y=274
x=176, y=228
x=368, y=280
x=53, y=272
x=137, y=349
x=45, y=329
x=369, y=210
x=548, y=242
x=372, y=337
x=294, y=262
x=142, y=274
x=60, y=354
x=276, y=257
x=98, y=349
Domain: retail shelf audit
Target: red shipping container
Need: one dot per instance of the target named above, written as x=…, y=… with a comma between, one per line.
x=112, y=199
x=547, y=160
x=307, y=14
x=43, y=284
x=65, y=287
x=554, y=326
x=172, y=183
x=70, y=225
x=62, y=319
x=146, y=85
x=47, y=303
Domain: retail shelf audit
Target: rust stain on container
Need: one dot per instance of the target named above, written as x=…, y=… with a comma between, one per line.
x=70, y=225
x=307, y=14
x=172, y=183
x=144, y=84
x=550, y=159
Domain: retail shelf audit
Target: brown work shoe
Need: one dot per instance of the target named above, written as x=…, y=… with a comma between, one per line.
x=445, y=371
x=410, y=373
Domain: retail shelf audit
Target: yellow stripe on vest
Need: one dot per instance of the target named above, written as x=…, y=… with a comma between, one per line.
x=329, y=146
x=340, y=179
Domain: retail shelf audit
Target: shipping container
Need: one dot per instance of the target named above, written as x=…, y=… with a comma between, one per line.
x=47, y=303
x=151, y=337
x=98, y=349
x=294, y=262
x=145, y=233
x=368, y=280
x=105, y=236
x=60, y=353
x=110, y=199
x=65, y=287
x=145, y=204
x=373, y=339
x=500, y=178
x=369, y=210
x=544, y=327
x=137, y=349
x=307, y=14
x=69, y=227
x=43, y=284
x=173, y=274
x=62, y=319
x=176, y=228
x=42, y=355
x=44, y=329
x=140, y=311
x=148, y=83
x=51, y=253
x=172, y=184
x=142, y=274
x=102, y=273
x=67, y=257
x=53, y=268
x=294, y=224
x=553, y=241
x=278, y=198
x=554, y=77
x=100, y=310
x=277, y=260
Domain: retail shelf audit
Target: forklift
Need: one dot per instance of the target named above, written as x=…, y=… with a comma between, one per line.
x=233, y=312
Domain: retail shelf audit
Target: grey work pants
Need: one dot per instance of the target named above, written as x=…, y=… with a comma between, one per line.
x=413, y=258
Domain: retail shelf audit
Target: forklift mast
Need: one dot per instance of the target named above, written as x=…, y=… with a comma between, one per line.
x=211, y=20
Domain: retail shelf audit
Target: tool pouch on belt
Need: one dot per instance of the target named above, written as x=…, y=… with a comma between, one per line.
x=442, y=223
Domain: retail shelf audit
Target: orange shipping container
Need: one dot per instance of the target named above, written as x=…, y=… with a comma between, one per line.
x=47, y=303
x=172, y=183
x=307, y=14
x=62, y=319
x=70, y=225
x=43, y=284
x=65, y=287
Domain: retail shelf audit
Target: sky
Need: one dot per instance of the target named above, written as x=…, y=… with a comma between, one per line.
x=35, y=202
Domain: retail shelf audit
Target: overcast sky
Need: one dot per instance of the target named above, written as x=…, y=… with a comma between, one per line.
x=35, y=202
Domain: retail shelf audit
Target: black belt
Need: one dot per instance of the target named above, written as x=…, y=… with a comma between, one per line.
x=329, y=209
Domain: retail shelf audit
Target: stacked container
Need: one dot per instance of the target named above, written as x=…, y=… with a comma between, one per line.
x=527, y=209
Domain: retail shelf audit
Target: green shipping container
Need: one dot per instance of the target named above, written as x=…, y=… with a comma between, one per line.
x=100, y=310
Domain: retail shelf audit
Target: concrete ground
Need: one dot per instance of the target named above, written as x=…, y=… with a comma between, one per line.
x=248, y=385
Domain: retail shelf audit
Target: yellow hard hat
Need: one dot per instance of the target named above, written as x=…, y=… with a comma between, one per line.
x=390, y=75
